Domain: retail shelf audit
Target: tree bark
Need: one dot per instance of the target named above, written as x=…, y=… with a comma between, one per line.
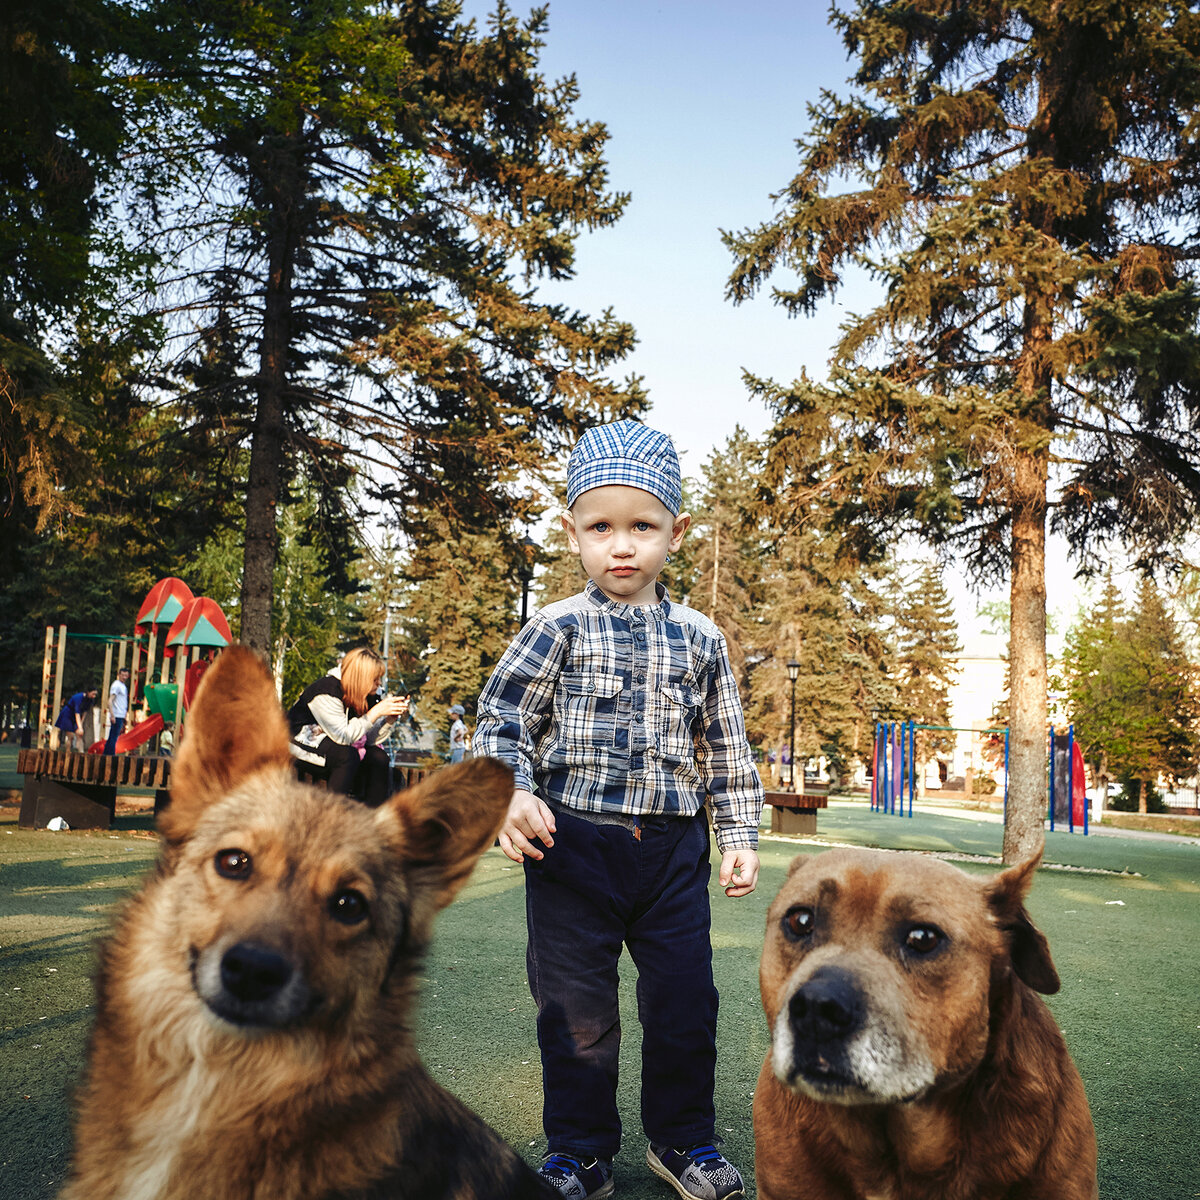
x=1028, y=710
x=269, y=430
x=1024, y=832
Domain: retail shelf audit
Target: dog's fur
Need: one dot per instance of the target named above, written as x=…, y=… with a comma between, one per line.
x=910, y=1056
x=255, y=1001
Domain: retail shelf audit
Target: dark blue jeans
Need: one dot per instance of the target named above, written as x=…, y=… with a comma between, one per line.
x=114, y=731
x=599, y=887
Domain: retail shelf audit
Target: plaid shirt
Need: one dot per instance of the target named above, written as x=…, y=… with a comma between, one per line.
x=608, y=707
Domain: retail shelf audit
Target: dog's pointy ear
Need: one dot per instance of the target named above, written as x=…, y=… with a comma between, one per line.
x=799, y=861
x=234, y=728
x=1029, y=949
x=443, y=824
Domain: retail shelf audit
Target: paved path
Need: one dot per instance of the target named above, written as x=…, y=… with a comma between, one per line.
x=986, y=817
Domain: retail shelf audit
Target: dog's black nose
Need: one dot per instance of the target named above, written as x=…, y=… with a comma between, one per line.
x=828, y=1007
x=253, y=973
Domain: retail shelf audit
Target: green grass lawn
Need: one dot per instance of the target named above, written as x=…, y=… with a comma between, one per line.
x=9, y=779
x=1124, y=931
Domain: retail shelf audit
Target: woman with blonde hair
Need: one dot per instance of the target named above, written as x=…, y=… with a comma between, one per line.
x=338, y=721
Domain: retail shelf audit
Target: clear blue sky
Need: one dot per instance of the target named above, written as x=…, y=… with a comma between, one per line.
x=703, y=102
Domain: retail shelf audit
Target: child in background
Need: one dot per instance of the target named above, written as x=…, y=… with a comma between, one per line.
x=619, y=714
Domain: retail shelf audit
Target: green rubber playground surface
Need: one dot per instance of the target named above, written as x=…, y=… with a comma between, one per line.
x=1123, y=923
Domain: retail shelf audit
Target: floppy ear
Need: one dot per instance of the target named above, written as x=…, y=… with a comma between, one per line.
x=234, y=728
x=443, y=824
x=1028, y=948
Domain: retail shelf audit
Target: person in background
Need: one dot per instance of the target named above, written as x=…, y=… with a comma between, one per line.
x=338, y=722
x=166, y=741
x=70, y=720
x=458, y=734
x=118, y=709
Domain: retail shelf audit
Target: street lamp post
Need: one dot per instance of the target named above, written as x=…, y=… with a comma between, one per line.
x=387, y=644
x=793, y=670
x=529, y=550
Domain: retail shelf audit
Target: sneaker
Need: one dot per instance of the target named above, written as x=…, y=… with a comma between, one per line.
x=699, y=1173
x=575, y=1178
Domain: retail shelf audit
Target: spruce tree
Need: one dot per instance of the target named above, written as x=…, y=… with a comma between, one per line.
x=352, y=201
x=728, y=548
x=1023, y=179
x=1131, y=691
x=828, y=618
x=456, y=616
x=925, y=641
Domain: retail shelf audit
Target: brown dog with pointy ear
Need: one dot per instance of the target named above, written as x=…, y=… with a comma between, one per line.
x=255, y=1002
x=911, y=1057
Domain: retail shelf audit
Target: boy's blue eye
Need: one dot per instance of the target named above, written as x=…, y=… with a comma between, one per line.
x=601, y=527
x=642, y=526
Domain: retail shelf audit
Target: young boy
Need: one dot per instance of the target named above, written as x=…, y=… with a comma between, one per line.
x=619, y=713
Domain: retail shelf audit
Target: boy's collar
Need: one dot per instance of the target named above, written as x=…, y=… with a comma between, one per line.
x=597, y=596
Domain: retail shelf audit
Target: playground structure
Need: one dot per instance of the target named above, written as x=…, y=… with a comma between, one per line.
x=81, y=788
x=896, y=763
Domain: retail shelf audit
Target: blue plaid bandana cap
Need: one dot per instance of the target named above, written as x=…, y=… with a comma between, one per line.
x=628, y=454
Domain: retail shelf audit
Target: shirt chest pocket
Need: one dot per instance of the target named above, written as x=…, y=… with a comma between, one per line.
x=588, y=711
x=679, y=714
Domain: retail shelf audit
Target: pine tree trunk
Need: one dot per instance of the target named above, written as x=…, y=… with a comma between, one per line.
x=716, y=569
x=1023, y=828
x=1024, y=832
x=1142, y=796
x=269, y=431
x=262, y=497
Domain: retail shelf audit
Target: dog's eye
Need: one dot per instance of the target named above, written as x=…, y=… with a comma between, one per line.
x=922, y=939
x=348, y=907
x=798, y=923
x=233, y=864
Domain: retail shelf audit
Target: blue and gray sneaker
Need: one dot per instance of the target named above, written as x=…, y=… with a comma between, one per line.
x=577, y=1178
x=698, y=1173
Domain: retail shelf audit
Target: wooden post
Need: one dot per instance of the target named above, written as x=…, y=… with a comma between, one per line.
x=133, y=670
x=58, y=680
x=44, y=698
x=108, y=678
x=150, y=649
x=180, y=675
x=102, y=707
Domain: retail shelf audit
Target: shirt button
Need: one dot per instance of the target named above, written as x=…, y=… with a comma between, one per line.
x=640, y=679
x=637, y=718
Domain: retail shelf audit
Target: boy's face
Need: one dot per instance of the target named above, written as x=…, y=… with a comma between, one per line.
x=623, y=536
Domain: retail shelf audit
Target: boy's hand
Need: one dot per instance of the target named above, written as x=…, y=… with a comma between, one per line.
x=739, y=871
x=528, y=820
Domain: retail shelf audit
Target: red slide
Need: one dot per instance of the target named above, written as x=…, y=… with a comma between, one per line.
x=134, y=736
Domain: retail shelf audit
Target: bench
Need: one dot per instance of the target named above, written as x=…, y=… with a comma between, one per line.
x=404, y=774
x=82, y=788
x=796, y=812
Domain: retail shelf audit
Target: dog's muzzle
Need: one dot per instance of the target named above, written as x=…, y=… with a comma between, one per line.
x=822, y=1015
x=831, y=1044
x=249, y=985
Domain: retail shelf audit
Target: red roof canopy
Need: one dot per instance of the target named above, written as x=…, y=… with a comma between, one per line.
x=163, y=603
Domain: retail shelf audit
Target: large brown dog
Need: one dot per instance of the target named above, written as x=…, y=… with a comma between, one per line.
x=255, y=1002
x=910, y=1058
